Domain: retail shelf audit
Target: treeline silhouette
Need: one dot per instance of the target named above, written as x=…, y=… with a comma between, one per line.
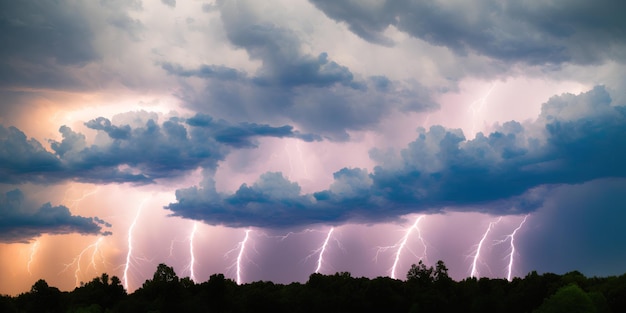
x=426, y=289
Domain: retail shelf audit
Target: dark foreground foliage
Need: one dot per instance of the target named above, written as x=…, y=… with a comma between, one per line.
x=427, y=289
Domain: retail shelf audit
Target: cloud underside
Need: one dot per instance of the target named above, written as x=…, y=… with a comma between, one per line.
x=577, y=138
x=21, y=224
x=538, y=33
x=138, y=154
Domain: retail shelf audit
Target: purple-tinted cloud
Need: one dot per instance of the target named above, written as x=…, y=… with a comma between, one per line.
x=574, y=140
x=138, y=154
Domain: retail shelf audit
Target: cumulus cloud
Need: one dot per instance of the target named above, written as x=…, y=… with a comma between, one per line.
x=127, y=153
x=21, y=224
x=510, y=171
x=310, y=89
x=581, y=32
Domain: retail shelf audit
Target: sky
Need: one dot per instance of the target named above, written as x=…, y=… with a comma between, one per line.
x=268, y=140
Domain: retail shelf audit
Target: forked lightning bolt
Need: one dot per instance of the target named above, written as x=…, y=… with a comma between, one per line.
x=512, y=254
x=241, y=246
x=320, y=259
x=78, y=259
x=476, y=255
x=402, y=243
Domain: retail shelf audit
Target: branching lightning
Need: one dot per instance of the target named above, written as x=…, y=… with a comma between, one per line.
x=476, y=255
x=402, y=243
x=33, y=250
x=129, y=254
x=512, y=254
x=78, y=259
x=240, y=255
x=241, y=246
x=74, y=202
x=321, y=250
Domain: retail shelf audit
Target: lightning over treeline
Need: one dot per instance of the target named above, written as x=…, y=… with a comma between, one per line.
x=400, y=246
x=430, y=287
x=322, y=249
x=130, y=258
x=241, y=254
x=476, y=255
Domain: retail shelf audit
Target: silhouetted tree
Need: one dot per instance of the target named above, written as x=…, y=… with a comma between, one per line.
x=568, y=299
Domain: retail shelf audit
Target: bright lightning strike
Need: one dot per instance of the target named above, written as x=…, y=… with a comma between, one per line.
x=476, y=255
x=78, y=259
x=33, y=250
x=511, y=255
x=129, y=254
x=242, y=250
x=191, y=253
x=320, y=259
x=402, y=243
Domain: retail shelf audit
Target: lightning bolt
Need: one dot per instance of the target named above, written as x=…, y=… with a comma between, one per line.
x=240, y=255
x=321, y=250
x=511, y=255
x=129, y=254
x=241, y=246
x=476, y=255
x=74, y=202
x=191, y=254
x=33, y=250
x=402, y=243
x=78, y=260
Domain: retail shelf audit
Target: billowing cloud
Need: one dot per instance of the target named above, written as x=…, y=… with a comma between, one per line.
x=574, y=140
x=310, y=89
x=581, y=32
x=21, y=224
x=136, y=154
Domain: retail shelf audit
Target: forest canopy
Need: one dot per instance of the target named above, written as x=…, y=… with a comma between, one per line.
x=426, y=289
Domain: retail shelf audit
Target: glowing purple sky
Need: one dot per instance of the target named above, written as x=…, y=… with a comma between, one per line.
x=279, y=121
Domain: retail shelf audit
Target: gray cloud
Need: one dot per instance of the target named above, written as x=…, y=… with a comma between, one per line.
x=20, y=224
x=136, y=154
x=510, y=171
x=315, y=92
x=581, y=32
x=45, y=43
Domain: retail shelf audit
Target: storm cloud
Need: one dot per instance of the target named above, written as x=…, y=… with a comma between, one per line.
x=318, y=94
x=138, y=154
x=577, y=138
x=19, y=223
x=540, y=33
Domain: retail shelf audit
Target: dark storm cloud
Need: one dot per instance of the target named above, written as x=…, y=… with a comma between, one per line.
x=585, y=221
x=315, y=92
x=20, y=224
x=137, y=154
x=44, y=42
x=581, y=32
x=575, y=139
